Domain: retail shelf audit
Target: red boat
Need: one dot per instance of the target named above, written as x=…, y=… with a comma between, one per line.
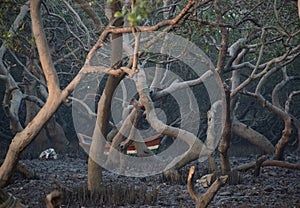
x=151, y=142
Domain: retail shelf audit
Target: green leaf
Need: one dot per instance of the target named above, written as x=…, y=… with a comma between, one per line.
x=131, y=18
x=118, y=14
x=22, y=27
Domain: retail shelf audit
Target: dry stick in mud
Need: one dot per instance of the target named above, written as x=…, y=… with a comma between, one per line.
x=203, y=200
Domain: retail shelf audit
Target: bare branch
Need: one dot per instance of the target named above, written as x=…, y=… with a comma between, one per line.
x=69, y=29
x=176, y=85
x=281, y=60
x=26, y=69
x=80, y=22
x=203, y=200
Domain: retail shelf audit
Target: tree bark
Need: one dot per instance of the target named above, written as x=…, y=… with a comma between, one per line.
x=57, y=135
x=258, y=165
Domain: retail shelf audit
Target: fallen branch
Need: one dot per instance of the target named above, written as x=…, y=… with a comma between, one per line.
x=204, y=199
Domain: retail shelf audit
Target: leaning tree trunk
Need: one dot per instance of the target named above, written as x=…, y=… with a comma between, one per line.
x=99, y=134
x=103, y=113
x=57, y=135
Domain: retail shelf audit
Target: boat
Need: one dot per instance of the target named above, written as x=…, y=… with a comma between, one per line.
x=151, y=142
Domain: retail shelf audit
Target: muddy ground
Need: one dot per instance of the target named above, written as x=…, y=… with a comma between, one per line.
x=275, y=187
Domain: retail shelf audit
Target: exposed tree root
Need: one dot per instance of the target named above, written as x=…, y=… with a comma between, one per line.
x=204, y=199
x=277, y=163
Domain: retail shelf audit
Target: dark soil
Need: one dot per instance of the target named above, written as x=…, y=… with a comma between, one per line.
x=275, y=187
